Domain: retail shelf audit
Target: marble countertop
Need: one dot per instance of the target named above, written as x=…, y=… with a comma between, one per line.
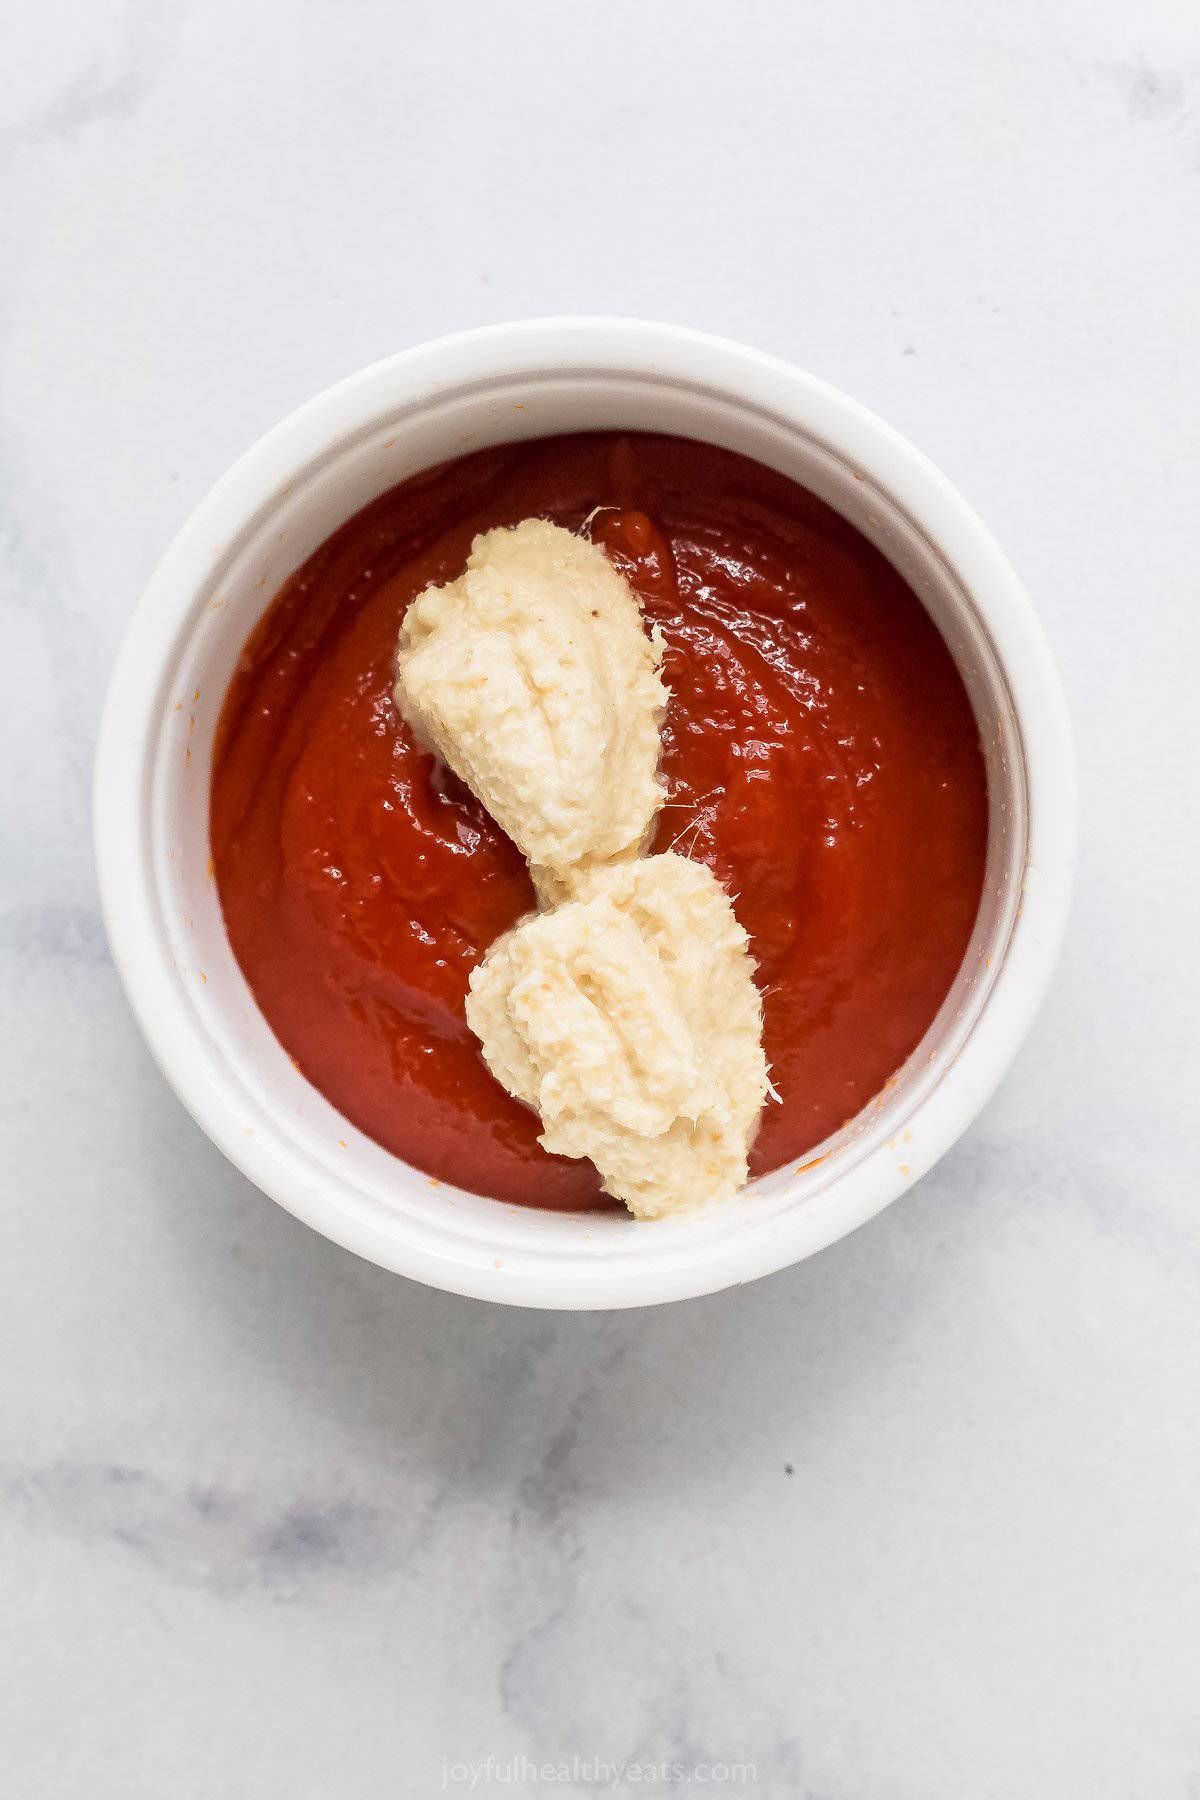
x=916, y=1520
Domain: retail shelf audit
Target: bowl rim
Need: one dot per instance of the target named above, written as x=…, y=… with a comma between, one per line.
x=611, y=346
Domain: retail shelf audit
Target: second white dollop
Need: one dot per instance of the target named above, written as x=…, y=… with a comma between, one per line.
x=628, y=1019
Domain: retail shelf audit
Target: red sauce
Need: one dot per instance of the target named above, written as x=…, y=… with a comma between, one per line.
x=819, y=748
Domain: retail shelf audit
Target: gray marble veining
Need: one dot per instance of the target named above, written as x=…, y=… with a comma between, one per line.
x=913, y=1521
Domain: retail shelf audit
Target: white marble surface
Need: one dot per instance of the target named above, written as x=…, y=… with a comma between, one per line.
x=915, y=1521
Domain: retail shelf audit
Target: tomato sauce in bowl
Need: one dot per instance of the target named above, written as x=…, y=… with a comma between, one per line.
x=820, y=754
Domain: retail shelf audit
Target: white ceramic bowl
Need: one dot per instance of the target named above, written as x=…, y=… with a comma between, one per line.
x=270, y=511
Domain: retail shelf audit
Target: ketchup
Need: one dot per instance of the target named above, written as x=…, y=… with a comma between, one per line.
x=819, y=751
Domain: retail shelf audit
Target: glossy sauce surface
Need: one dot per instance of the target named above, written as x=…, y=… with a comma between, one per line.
x=819, y=749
